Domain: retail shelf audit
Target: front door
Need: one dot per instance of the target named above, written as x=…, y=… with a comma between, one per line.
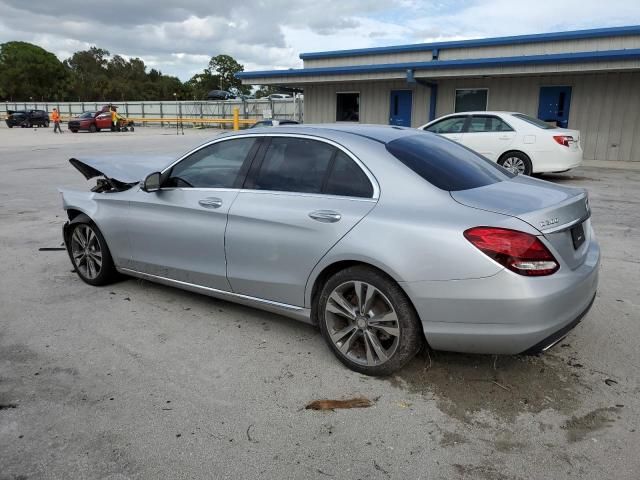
x=400, y=108
x=178, y=231
x=554, y=105
x=299, y=200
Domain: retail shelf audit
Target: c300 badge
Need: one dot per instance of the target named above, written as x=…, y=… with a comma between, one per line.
x=548, y=222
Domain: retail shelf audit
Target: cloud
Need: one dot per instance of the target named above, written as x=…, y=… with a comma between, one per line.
x=178, y=37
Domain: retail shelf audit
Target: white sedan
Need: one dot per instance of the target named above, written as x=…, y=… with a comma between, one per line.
x=518, y=142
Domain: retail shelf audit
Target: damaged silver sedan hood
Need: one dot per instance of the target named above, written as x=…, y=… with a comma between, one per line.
x=124, y=169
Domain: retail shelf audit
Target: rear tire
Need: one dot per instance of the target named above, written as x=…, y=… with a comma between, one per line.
x=368, y=321
x=46, y=124
x=516, y=162
x=93, y=128
x=89, y=253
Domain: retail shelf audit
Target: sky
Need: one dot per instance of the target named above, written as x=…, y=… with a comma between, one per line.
x=179, y=37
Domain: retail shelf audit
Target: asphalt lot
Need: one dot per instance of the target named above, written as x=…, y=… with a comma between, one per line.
x=137, y=380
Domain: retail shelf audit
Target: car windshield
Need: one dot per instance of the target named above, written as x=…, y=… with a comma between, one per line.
x=88, y=115
x=533, y=121
x=446, y=164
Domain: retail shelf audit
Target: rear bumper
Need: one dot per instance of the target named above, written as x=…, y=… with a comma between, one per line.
x=505, y=313
x=557, y=160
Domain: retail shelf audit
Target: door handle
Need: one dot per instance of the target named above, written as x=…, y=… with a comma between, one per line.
x=325, y=216
x=504, y=137
x=211, y=202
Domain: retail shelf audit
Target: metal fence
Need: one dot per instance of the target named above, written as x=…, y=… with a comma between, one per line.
x=188, y=111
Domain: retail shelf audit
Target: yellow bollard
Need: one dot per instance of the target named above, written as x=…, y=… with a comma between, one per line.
x=236, y=118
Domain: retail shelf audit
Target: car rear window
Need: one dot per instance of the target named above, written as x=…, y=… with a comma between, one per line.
x=533, y=121
x=446, y=164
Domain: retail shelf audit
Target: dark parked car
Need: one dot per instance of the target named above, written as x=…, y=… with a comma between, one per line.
x=220, y=95
x=27, y=118
x=273, y=123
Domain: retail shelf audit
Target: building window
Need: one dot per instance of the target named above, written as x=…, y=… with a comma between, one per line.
x=348, y=107
x=471, y=100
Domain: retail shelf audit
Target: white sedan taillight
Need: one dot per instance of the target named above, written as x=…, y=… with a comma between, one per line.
x=564, y=140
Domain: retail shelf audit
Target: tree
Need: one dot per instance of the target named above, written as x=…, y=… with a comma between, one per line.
x=89, y=75
x=29, y=71
x=202, y=83
x=266, y=90
x=226, y=68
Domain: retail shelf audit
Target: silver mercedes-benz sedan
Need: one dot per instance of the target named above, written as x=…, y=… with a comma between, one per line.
x=387, y=238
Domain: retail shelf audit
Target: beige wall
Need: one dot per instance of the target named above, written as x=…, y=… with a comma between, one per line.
x=320, y=101
x=605, y=107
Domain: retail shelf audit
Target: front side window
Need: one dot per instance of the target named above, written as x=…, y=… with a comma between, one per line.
x=448, y=125
x=486, y=123
x=446, y=164
x=294, y=165
x=470, y=100
x=214, y=166
x=347, y=107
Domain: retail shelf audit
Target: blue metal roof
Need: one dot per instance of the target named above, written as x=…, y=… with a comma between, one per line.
x=598, y=56
x=482, y=42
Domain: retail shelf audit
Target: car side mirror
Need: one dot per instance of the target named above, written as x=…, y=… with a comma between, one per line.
x=152, y=182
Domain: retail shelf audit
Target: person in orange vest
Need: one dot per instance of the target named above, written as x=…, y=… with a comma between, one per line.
x=55, y=116
x=114, y=119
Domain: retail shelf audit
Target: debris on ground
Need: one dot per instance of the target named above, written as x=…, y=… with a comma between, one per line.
x=357, y=402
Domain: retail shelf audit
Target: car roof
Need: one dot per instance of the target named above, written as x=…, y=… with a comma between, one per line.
x=335, y=131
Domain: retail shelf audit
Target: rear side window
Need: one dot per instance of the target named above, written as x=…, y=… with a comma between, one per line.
x=348, y=179
x=446, y=164
x=294, y=165
x=486, y=123
x=533, y=121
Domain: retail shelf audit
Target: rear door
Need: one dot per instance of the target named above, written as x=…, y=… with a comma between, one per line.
x=488, y=135
x=103, y=120
x=178, y=231
x=301, y=197
x=451, y=127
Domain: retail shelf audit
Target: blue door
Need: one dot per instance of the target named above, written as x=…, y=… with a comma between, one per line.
x=400, y=109
x=554, y=105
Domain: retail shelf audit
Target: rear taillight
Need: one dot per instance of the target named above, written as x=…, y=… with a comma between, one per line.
x=520, y=252
x=564, y=140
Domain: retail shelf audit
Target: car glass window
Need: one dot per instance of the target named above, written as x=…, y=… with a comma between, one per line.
x=533, y=121
x=348, y=179
x=214, y=166
x=448, y=125
x=294, y=165
x=446, y=164
x=485, y=123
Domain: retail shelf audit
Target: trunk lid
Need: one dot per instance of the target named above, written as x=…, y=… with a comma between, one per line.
x=557, y=212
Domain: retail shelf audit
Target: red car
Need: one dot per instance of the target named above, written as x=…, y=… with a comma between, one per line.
x=96, y=121
x=92, y=121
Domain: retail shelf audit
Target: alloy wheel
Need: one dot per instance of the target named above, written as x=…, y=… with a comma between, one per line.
x=362, y=323
x=86, y=251
x=514, y=165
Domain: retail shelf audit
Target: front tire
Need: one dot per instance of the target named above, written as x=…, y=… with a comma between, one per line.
x=368, y=321
x=516, y=162
x=89, y=252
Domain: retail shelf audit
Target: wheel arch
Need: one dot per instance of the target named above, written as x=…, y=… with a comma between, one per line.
x=514, y=150
x=314, y=287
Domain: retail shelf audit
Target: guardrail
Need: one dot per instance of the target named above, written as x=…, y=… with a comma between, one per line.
x=236, y=121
